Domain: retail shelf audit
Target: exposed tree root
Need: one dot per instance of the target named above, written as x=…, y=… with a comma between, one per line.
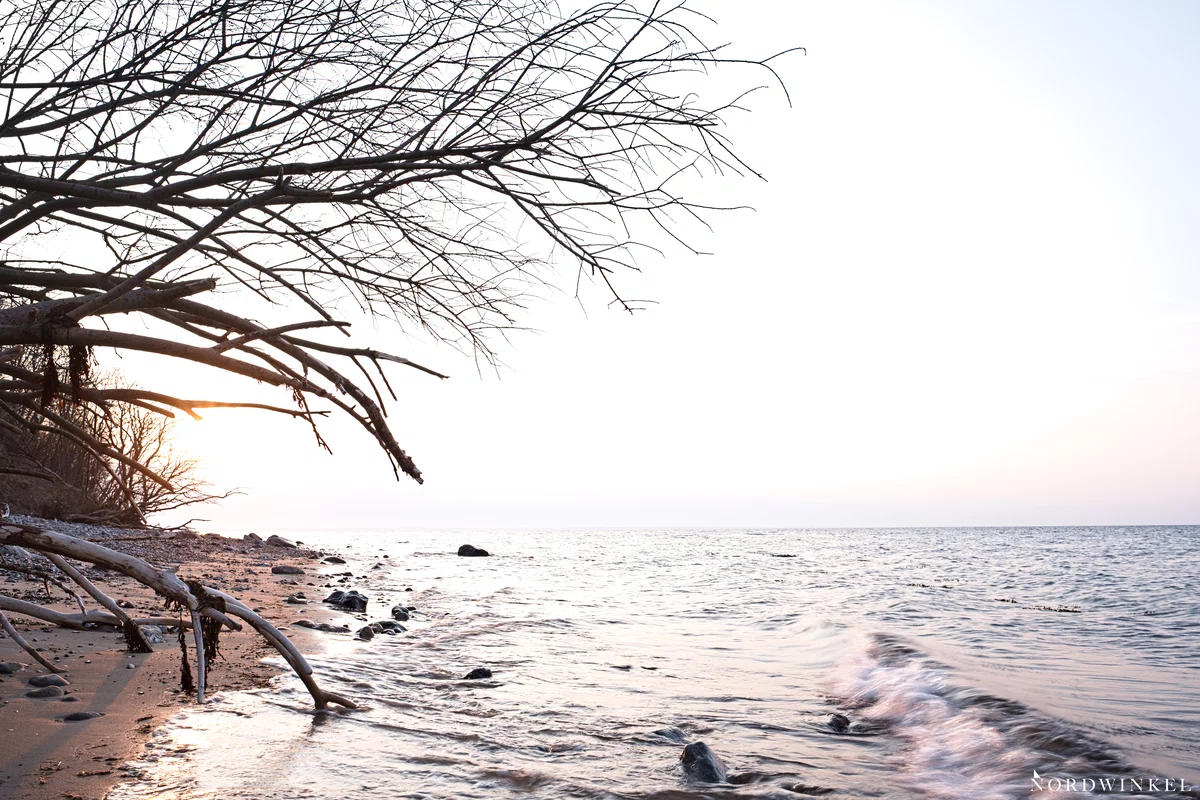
x=207, y=609
x=24, y=645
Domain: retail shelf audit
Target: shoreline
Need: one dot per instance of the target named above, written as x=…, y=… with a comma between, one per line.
x=46, y=758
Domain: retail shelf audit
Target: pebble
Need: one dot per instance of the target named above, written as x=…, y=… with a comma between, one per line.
x=48, y=680
x=82, y=716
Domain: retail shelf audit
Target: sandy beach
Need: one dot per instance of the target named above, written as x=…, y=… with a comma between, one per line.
x=41, y=755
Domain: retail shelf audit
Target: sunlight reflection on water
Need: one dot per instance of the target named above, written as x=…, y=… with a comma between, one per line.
x=745, y=639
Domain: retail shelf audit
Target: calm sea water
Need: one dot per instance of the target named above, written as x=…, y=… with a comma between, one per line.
x=938, y=644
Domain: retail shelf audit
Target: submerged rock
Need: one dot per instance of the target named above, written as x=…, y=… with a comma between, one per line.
x=839, y=722
x=400, y=613
x=48, y=680
x=672, y=733
x=348, y=601
x=470, y=550
x=334, y=560
x=366, y=633
x=286, y=569
x=701, y=764
x=478, y=674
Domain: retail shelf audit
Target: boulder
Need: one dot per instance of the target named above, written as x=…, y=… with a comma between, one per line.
x=400, y=613
x=153, y=633
x=297, y=599
x=701, y=764
x=286, y=569
x=366, y=633
x=279, y=541
x=470, y=550
x=348, y=601
x=387, y=626
x=252, y=538
x=48, y=680
x=478, y=674
x=334, y=560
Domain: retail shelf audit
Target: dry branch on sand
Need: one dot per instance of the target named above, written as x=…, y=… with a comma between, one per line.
x=207, y=610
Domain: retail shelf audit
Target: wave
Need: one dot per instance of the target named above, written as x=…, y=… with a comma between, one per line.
x=960, y=743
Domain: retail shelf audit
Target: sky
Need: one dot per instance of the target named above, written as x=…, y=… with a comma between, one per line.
x=967, y=295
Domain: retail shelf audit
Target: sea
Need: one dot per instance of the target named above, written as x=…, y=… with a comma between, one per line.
x=968, y=663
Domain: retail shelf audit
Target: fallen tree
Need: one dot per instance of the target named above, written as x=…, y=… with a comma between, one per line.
x=209, y=181
x=208, y=610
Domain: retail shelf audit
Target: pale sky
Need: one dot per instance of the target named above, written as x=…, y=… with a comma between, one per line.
x=967, y=296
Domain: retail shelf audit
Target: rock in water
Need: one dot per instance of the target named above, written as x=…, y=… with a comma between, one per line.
x=701, y=764
x=366, y=633
x=45, y=692
x=839, y=722
x=286, y=569
x=469, y=550
x=348, y=601
x=400, y=613
x=279, y=541
x=478, y=674
x=48, y=680
x=672, y=733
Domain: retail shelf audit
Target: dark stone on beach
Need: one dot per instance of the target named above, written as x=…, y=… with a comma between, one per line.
x=9, y=668
x=286, y=569
x=839, y=722
x=48, y=680
x=400, y=613
x=297, y=599
x=469, y=550
x=304, y=623
x=69, y=699
x=45, y=692
x=334, y=560
x=478, y=674
x=701, y=764
x=279, y=541
x=125, y=604
x=253, y=538
x=82, y=716
x=348, y=601
x=366, y=633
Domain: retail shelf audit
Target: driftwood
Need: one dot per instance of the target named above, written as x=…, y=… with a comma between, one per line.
x=24, y=645
x=195, y=601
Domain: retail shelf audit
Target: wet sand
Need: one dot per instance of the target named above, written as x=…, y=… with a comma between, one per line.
x=43, y=757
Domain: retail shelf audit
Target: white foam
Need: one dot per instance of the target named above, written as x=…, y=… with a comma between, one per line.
x=949, y=751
